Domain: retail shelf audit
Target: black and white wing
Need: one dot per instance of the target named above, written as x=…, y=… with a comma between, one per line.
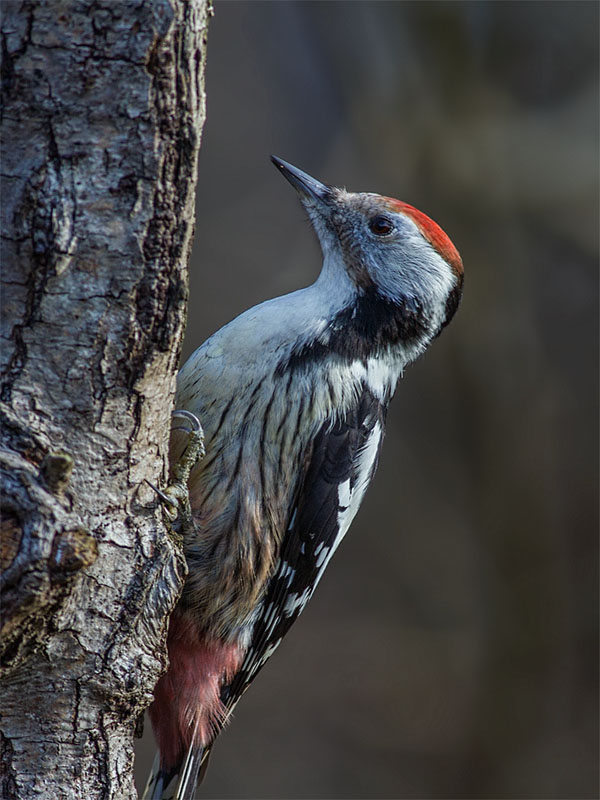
x=344, y=457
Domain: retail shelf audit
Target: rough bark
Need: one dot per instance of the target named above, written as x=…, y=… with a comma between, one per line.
x=103, y=106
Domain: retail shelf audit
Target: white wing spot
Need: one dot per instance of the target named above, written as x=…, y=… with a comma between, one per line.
x=270, y=620
x=269, y=652
x=296, y=602
x=344, y=494
x=322, y=556
x=287, y=572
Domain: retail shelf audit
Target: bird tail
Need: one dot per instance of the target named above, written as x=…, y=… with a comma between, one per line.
x=180, y=782
x=192, y=773
x=159, y=781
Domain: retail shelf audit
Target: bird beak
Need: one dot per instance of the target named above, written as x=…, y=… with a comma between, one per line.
x=309, y=188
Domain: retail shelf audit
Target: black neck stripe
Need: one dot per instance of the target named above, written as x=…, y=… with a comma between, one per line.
x=371, y=324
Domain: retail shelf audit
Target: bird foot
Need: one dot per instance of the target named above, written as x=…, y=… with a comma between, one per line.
x=175, y=497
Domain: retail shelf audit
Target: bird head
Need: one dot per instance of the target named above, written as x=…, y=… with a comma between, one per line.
x=385, y=246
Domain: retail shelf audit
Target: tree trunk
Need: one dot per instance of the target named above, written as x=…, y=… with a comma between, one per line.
x=103, y=106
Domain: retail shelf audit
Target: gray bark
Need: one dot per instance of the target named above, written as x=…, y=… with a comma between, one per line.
x=103, y=106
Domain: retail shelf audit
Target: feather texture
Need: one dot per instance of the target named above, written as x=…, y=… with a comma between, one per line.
x=292, y=396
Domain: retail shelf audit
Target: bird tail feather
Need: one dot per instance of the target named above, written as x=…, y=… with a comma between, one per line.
x=180, y=782
x=159, y=781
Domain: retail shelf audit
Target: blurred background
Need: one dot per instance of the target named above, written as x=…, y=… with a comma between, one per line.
x=451, y=649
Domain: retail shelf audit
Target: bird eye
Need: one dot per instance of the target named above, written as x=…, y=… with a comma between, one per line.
x=381, y=225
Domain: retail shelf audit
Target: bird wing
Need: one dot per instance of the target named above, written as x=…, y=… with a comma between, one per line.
x=341, y=463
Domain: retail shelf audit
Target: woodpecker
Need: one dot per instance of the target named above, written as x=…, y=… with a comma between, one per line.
x=292, y=396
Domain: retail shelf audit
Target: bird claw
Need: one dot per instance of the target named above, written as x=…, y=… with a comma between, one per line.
x=175, y=497
x=193, y=420
x=171, y=506
x=194, y=449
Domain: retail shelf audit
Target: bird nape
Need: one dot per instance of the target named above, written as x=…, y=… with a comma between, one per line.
x=292, y=396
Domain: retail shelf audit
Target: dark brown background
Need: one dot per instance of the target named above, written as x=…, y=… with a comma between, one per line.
x=451, y=650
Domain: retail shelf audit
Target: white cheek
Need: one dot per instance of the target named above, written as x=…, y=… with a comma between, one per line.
x=412, y=266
